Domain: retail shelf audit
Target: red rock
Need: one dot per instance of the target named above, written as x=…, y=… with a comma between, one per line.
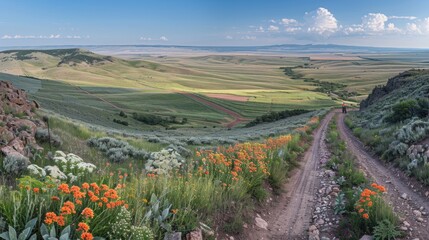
x=6, y=135
x=17, y=145
x=16, y=124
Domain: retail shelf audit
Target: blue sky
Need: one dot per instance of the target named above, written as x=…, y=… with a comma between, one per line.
x=393, y=23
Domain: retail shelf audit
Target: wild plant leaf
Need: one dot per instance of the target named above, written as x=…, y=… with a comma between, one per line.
x=12, y=233
x=5, y=236
x=31, y=223
x=53, y=232
x=65, y=236
x=66, y=230
x=44, y=231
x=24, y=235
x=165, y=213
x=33, y=237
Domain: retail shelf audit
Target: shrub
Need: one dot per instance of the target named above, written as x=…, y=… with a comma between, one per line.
x=408, y=109
x=122, y=122
x=117, y=150
x=275, y=116
x=42, y=135
x=123, y=114
x=164, y=161
x=414, y=131
x=15, y=164
x=402, y=111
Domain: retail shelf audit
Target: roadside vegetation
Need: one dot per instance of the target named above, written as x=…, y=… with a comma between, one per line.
x=395, y=124
x=360, y=202
x=91, y=186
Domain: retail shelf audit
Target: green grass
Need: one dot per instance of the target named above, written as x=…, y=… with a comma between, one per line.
x=150, y=84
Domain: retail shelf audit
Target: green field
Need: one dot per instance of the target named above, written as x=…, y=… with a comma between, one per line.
x=94, y=88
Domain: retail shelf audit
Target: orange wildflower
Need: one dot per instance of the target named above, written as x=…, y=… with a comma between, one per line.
x=85, y=185
x=55, y=198
x=365, y=216
x=83, y=227
x=61, y=221
x=64, y=188
x=36, y=190
x=86, y=236
x=50, y=218
x=87, y=213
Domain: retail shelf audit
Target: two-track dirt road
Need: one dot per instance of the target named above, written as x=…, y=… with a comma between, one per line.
x=290, y=215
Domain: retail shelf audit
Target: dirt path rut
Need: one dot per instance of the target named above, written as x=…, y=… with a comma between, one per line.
x=401, y=196
x=291, y=214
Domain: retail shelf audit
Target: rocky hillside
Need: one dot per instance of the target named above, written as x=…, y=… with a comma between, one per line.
x=394, y=122
x=393, y=84
x=18, y=124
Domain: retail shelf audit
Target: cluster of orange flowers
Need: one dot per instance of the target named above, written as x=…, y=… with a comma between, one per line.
x=84, y=195
x=241, y=158
x=366, y=199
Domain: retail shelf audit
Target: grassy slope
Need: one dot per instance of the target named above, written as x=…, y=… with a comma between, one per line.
x=149, y=85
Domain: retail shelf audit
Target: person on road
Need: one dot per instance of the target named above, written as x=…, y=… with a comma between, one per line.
x=344, y=106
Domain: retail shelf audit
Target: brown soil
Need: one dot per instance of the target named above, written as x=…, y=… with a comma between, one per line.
x=396, y=184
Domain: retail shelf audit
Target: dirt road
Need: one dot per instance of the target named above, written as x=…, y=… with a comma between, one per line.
x=291, y=214
x=396, y=186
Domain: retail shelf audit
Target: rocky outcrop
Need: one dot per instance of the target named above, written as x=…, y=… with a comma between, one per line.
x=392, y=84
x=17, y=124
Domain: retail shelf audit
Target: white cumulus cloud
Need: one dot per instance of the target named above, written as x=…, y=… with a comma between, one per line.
x=163, y=38
x=374, y=22
x=273, y=28
x=229, y=37
x=403, y=17
x=289, y=21
x=321, y=21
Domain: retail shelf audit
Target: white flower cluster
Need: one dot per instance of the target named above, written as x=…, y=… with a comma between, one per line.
x=141, y=233
x=164, y=161
x=121, y=228
x=68, y=167
x=71, y=162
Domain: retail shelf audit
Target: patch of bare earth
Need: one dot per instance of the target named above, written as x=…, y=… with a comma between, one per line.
x=408, y=198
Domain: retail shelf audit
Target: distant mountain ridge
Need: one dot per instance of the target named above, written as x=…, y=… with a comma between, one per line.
x=296, y=48
x=71, y=56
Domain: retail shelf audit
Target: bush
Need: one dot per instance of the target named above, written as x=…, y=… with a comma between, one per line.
x=122, y=122
x=412, y=132
x=15, y=164
x=275, y=116
x=408, y=109
x=117, y=150
x=42, y=135
x=123, y=114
